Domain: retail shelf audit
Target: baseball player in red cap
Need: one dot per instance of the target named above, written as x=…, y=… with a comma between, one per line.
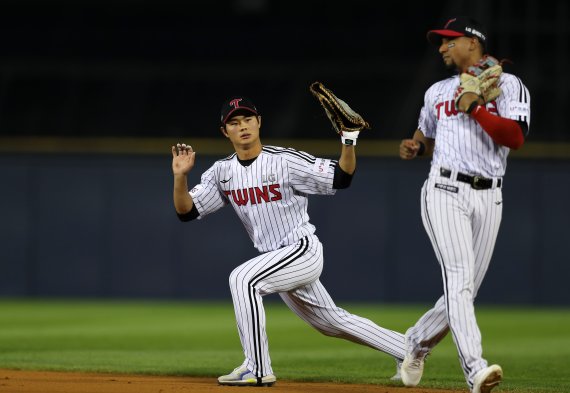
x=268, y=187
x=468, y=137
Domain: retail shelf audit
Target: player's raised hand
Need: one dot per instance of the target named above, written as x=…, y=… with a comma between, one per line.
x=409, y=149
x=183, y=157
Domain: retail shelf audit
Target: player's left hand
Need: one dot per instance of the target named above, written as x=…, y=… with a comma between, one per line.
x=183, y=157
x=409, y=149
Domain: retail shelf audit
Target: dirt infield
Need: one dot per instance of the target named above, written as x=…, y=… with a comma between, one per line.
x=14, y=381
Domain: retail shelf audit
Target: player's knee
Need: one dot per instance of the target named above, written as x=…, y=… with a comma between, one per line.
x=331, y=332
x=232, y=281
x=238, y=283
x=328, y=328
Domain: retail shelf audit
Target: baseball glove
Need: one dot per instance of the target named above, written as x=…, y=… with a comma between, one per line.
x=482, y=79
x=345, y=121
x=488, y=70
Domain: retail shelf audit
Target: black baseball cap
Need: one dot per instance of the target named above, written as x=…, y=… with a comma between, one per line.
x=459, y=27
x=237, y=106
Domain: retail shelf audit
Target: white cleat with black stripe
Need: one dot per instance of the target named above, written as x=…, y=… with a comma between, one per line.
x=241, y=376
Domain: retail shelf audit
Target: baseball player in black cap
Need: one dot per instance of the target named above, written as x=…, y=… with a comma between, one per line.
x=459, y=27
x=268, y=187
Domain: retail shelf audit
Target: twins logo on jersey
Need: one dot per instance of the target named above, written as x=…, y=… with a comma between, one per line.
x=449, y=108
x=255, y=195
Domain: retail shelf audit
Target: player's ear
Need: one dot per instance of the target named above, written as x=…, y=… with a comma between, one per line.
x=223, y=130
x=475, y=44
x=259, y=120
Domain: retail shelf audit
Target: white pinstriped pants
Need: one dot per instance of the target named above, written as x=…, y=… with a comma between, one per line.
x=463, y=228
x=293, y=272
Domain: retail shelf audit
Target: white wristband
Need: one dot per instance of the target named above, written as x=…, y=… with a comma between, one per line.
x=349, y=138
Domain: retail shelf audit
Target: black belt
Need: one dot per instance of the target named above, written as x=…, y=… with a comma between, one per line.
x=476, y=182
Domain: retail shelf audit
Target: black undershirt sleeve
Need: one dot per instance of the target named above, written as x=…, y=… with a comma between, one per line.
x=524, y=128
x=191, y=215
x=341, y=178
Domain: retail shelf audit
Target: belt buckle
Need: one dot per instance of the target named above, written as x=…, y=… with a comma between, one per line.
x=476, y=180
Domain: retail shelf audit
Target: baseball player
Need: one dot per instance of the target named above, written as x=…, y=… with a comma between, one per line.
x=268, y=187
x=461, y=201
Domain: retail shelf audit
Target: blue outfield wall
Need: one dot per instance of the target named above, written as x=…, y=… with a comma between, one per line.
x=104, y=226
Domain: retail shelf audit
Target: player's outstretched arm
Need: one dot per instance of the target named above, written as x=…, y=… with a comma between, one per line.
x=347, y=160
x=419, y=145
x=183, y=157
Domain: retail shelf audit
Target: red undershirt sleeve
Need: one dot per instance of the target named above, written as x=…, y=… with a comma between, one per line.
x=503, y=131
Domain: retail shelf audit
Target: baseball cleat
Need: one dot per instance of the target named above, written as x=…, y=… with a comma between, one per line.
x=241, y=376
x=486, y=379
x=398, y=376
x=412, y=370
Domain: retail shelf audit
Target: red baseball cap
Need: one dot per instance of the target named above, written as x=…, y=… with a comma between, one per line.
x=458, y=27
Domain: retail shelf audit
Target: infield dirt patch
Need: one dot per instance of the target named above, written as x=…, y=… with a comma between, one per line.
x=15, y=381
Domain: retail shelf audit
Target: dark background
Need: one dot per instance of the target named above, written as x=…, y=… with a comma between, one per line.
x=103, y=225
x=163, y=68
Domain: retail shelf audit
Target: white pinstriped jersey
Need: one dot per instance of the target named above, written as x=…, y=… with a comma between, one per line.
x=461, y=142
x=269, y=195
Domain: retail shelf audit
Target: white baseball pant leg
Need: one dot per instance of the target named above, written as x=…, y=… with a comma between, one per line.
x=293, y=272
x=313, y=304
x=276, y=271
x=463, y=229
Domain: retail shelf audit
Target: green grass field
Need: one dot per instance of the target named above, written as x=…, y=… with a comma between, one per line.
x=188, y=338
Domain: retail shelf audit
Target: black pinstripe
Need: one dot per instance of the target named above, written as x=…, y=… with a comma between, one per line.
x=295, y=153
x=523, y=97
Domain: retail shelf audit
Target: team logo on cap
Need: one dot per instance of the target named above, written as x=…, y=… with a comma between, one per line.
x=449, y=22
x=235, y=102
x=242, y=104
